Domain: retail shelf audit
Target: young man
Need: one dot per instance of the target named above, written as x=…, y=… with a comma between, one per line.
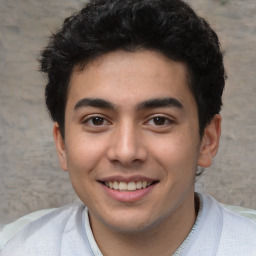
x=134, y=89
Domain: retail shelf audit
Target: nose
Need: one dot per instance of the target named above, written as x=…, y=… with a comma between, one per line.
x=126, y=146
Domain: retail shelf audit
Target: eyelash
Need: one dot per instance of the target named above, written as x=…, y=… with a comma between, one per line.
x=91, y=118
x=154, y=122
x=160, y=119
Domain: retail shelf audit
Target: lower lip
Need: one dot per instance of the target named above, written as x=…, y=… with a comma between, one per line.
x=127, y=196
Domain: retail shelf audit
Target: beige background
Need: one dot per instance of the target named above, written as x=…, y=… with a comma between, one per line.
x=30, y=175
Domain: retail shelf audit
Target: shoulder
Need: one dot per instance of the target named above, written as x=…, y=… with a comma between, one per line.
x=45, y=233
x=238, y=233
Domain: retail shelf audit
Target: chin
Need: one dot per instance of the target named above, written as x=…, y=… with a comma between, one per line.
x=131, y=223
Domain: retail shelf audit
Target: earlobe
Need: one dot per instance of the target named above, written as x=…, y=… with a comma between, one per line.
x=210, y=142
x=60, y=146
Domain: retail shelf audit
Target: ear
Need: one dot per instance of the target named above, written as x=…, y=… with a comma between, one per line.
x=210, y=142
x=60, y=146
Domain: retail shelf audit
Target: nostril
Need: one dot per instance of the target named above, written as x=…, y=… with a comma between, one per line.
x=126, y=147
x=126, y=158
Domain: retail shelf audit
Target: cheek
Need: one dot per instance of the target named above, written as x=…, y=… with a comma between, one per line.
x=177, y=152
x=84, y=153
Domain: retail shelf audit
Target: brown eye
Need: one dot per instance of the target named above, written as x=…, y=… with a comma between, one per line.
x=97, y=120
x=159, y=120
x=159, y=123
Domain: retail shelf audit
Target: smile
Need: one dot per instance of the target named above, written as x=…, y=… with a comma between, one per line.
x=128, y=186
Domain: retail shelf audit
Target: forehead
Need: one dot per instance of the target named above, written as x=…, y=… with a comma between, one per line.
x=130, y=77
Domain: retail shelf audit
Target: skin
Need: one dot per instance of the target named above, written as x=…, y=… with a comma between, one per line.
x=126, y=136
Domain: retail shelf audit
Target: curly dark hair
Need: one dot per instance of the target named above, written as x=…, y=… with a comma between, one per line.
x=167, y=26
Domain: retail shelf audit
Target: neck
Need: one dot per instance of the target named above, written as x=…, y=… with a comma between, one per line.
x=164, y=239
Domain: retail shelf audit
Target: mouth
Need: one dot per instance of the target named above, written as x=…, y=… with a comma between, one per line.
x=128, y=186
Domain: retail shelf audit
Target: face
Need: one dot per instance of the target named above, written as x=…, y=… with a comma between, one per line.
x=132, y=143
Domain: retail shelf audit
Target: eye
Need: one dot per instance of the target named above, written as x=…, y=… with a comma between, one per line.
x=159, y=121
x=95, y=121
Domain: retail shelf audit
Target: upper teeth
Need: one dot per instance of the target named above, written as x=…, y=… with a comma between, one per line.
x=131, y=186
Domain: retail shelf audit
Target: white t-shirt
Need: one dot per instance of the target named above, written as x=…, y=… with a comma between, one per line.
x=66, y=231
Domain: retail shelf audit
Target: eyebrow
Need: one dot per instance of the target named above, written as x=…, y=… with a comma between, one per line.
x=94, y=102
x=160, y=103
x=151, y=103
